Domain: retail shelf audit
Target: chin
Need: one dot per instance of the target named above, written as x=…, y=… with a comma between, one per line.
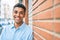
x=18, y=21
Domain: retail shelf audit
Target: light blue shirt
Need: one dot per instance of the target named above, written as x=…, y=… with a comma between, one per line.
x=24, y=32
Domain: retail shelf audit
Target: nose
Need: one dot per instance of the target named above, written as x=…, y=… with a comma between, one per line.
x=18, y=14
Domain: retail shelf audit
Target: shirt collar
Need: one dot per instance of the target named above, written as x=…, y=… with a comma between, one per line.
x=20, y=27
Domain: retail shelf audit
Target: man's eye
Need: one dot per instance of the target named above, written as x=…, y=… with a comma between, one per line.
x=15, y=11
x=21, y=12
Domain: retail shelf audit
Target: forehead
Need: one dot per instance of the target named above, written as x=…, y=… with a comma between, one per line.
x=18, y=9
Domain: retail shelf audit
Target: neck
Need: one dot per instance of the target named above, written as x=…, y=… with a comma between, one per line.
x=18, y=24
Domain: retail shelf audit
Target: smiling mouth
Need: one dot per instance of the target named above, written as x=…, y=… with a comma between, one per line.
x=17, y=18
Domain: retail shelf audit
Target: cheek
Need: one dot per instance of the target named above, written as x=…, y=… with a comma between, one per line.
x=13, y=15
x=22, y=16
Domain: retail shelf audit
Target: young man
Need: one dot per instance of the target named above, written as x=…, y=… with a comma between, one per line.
x=19, y=30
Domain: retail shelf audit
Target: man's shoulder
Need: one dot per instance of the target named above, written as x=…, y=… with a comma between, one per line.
x=28, y=28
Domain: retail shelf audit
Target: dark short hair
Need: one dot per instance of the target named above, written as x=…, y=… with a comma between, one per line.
x=20, y=5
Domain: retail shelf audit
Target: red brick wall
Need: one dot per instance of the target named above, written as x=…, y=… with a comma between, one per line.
x=46, y=19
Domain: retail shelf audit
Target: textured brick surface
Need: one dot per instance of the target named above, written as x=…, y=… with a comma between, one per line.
x=44, y=34
x=46, y=19
x=57, y=27
x=45, y=5
x=56, y=38
x=57, y=12
x=36, y=37
x=56, y=2
x=45, y=25
x=44, y=15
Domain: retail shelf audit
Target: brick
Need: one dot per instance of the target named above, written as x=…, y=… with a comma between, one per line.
x=46, y=35
x=56, y=38
x=57, y=27
x=56, y=2
x=45, y=25
x=43, y=6
x=57, y=12
x=33, y=1
x=37, y=3
x=44, y=15
x=37, y=37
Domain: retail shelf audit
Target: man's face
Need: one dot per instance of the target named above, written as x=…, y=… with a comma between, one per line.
x=18, y=14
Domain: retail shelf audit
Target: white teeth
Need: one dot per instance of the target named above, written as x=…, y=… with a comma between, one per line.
x=16, y=17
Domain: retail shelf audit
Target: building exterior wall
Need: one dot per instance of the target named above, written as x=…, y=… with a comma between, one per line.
x=46, y=19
